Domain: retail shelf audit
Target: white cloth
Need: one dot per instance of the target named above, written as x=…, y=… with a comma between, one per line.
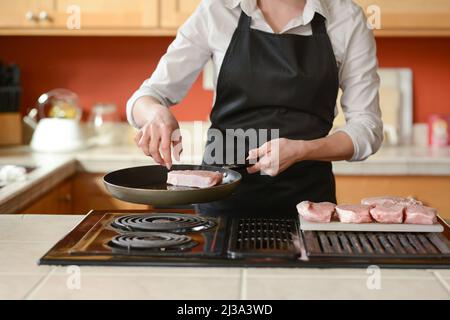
x=207, y=34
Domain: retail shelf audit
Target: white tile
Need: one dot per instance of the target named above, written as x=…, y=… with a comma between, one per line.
x=17, y=287
x=444, y=277
x=41, y=228
x=22, y=257
x=336, y=273
x=343, y=288
x=444, y=273
x=140, y=287
x=9, y=222
x=155, y=271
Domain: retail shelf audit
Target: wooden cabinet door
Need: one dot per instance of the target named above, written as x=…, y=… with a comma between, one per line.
x=175, y=12
x=22, y=13
x=57, y=201
x=108, y=14
x=90, y=193
x=432, y=190
x=412, y=16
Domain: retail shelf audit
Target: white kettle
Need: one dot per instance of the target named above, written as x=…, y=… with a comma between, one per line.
x=56, y=120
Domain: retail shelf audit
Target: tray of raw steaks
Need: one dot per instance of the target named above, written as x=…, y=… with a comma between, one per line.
x=376, y=214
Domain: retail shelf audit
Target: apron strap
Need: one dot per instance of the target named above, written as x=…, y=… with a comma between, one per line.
x=244, y=21
x=318, y=24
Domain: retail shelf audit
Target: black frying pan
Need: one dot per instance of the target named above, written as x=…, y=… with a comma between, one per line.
x=147, y=185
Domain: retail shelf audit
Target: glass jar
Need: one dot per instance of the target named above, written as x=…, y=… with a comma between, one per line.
x=103, y=119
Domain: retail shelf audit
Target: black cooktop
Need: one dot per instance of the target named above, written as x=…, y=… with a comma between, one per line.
x=186, y=238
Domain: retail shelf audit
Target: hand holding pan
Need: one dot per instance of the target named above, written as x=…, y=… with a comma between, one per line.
x=147, y=185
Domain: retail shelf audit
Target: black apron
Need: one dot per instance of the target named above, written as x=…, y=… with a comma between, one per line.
x=276, y=81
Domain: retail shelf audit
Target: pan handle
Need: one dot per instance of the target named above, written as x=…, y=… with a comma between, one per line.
x=237, y=166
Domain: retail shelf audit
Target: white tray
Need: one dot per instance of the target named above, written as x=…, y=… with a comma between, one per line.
x=335, y=225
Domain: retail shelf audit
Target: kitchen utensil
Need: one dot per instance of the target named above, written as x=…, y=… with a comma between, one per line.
x=103, y=119
x=58, y=135
x=147, y=185
x=57, y=123
x=369, y=227
x=10, y=90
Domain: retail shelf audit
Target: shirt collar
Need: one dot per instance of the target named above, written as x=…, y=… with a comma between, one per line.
x=311, y=7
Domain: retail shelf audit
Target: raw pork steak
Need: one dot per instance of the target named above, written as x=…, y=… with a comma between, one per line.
x=316, y=212
x=417, y=214
x=354, y=213
x=389, y=200
x=387, y=213
x=194, y=178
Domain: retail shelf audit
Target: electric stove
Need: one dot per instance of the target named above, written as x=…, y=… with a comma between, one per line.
x=180, y=238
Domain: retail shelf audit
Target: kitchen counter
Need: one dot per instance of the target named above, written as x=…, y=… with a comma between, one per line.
x=51, y=169
x=25, y=238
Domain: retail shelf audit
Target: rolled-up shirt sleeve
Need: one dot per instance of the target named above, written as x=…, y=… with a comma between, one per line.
x=360, y=84
x=179, y=67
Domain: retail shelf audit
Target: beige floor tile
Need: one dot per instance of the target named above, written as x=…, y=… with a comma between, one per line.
x=8, y=223
x=157, y=271
x=140, y=287
x=333, y=288
x=22, y=257
x=17, y=287
x=444, y=273
x=335, y=273
x=40, y=228
x=444, y=277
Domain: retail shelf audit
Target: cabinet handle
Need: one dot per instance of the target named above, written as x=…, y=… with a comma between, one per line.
x=44, y=16
x=66, y=198
x=31, y=16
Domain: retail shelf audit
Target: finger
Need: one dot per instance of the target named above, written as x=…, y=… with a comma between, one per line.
x=166, y=148
x=138, y=137
x=259, y=152
x=269, y=166
x=255, y=168
x=177, y=142
x=154, y=147
x=144, y=142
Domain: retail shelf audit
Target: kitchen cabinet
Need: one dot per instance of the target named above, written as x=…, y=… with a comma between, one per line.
x=89, y=193
x=57, y=201
x=80, y=17
x=108, y=14
x=164, y=17
x=175, y=12
x=79, y=195
x=411, y=17
x=23, y=13
x=432, y=190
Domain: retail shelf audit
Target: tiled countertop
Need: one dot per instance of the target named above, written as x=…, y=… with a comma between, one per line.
x=54, y=168
x=24, y=239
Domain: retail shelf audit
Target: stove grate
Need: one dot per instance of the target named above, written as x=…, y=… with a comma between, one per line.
x=375, y=244
x=253, y=237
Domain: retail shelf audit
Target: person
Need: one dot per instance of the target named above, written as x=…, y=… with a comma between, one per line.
x=278, y=65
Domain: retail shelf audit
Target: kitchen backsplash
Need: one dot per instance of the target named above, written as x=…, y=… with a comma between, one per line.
x=109, y=69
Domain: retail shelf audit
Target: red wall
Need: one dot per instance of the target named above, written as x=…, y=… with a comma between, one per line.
x=429, y=58
x=103, y=69
x=99, y=69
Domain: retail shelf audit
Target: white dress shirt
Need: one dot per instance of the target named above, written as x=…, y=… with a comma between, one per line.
x=207, y=34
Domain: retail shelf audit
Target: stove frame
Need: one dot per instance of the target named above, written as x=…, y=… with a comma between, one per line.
x=226, y=255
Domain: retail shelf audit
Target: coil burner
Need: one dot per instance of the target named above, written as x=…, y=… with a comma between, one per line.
x=164, y=222
x=156, y=241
